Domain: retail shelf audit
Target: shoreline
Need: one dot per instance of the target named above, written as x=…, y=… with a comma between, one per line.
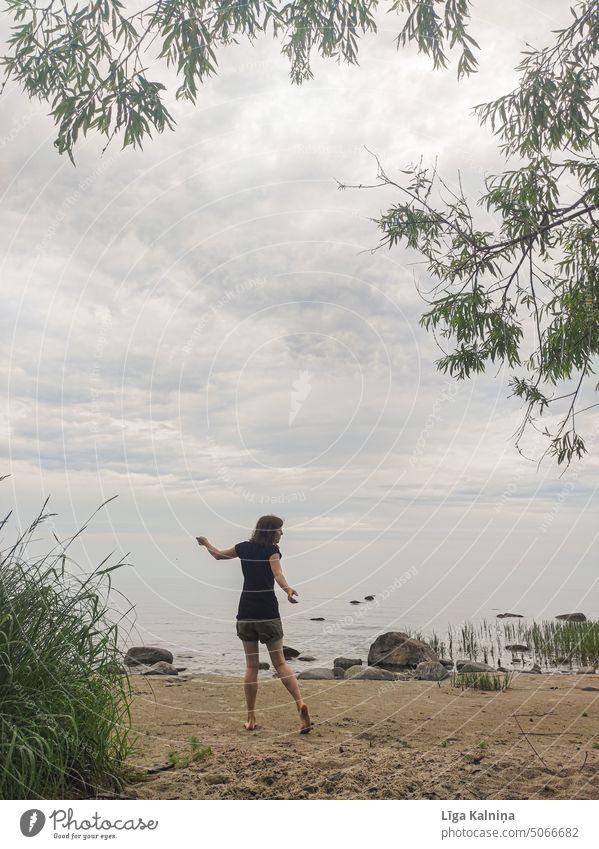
x=372, y=739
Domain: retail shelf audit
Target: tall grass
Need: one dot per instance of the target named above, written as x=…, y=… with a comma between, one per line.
x=493, y=681
x=64, y=704
x=550, y=643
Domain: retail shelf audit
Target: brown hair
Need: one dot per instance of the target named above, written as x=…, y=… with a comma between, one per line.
x=265, y=529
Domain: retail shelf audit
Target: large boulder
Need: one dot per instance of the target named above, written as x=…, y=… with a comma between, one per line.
x=473, y=666
x=346, y=662
x=338, y=672
x=316, y=675
x=431, y=670
x=289, y=653
x=572, y=617
x=517, y=647
x=368, y=598
x=396, y=650
x=368, y=673
x=317, y=619
x=161, y=668
x=147, y=655
x=307, y=657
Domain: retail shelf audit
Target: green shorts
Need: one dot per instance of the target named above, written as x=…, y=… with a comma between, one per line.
x=264, y=630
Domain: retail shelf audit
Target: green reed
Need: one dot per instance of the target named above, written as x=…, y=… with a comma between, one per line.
x=64, y=704
x=558, y=642
x=495, y=681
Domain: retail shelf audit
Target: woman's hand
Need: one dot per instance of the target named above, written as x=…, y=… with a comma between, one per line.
x=202, y=540
x=290, y=593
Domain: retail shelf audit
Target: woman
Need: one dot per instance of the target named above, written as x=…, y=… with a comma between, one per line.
x=258, y=617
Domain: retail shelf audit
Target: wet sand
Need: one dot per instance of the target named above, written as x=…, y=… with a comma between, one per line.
x=372, y=740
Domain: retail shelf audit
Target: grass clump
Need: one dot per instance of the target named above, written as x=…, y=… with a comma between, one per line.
x=197, y=754
x=64, y=702
x=494, y=681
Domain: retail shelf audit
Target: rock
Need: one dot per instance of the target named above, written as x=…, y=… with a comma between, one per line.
x=396, y=650
x=113, y=667
x=431, y=670
x=317, y=619
x=517, y=647
x=263, y=665
x=307, y=657
x=216, y=778
x=147, y=655
x=316, y=675
x=585, y=670
x=338, y=672
x=368, y=598
x=346, y=662
x=572, y=617
x=161, y=668
x=448, y=664
x=503, y=669
x=355, y=602
x=368, y=673
x=590, y=689
x=534, y=670
x=289, y=653
x=510, y=615
x=473, y=666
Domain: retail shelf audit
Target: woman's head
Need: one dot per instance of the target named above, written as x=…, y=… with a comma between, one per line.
x=268, y=530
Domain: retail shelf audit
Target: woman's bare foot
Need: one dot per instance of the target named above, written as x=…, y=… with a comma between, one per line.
x=250, y=725
x=306, y=722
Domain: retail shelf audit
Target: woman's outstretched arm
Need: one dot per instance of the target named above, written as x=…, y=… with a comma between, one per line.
x=225, y=554
x=275, y=565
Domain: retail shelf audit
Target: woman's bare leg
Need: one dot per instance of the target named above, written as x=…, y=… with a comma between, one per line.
x=287, y=676
x=250, y=682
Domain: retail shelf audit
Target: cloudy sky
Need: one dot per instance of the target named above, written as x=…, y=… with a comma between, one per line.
x=202, y=328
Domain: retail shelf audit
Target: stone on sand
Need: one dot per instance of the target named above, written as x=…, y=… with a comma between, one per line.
x=368, y=673
x=147, y=655
x=396, y=650
x=346, y=662
x=473, y=666
x=161, y=668
x=431, y=670
x=316, y=675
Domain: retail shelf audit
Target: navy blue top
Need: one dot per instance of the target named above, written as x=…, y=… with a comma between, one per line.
x=258, y=599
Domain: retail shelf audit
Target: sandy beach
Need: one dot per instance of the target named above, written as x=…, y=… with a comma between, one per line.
x=371, y=740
